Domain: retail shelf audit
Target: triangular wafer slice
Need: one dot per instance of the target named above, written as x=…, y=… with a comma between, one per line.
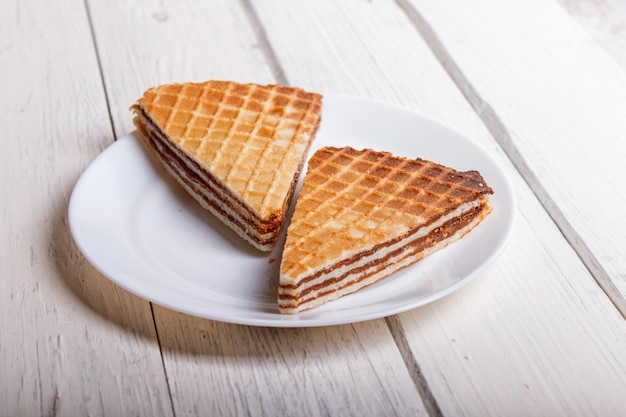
x=362, y=215
x=236, y=148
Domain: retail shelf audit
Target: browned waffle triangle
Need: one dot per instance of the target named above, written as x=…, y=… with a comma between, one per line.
x=362, y=215
x=236, y=148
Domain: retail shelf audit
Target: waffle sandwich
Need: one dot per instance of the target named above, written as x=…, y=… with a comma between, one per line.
x=236, y=148
x=362, y=215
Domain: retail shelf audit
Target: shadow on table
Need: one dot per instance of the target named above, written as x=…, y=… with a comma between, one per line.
x=94, y=290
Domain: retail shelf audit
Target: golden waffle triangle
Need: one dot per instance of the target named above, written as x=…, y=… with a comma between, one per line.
x=363, y=214
x=236, y=148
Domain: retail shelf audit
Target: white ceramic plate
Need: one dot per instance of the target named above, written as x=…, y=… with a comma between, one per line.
x=142, y=231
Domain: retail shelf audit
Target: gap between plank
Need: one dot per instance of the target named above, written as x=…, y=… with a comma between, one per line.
x=399, y=337
x=95, y=48
x=263, y=43
x=167, y=378
x=500, y=133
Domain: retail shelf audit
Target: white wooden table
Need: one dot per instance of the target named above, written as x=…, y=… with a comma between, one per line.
x=542, y=332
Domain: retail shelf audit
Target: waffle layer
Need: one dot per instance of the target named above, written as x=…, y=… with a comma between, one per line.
x=362, y=215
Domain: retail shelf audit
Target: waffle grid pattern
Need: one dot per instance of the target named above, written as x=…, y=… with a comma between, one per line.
x=251, y=137
x=353, y=199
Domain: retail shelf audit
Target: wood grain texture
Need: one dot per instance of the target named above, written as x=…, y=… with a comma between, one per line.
x=143, y=44
x=534, y=335
x=536, y=326
x=350, y=370
x=220, y=369
x=556, y=107
x=71, y=342
x=605, y=21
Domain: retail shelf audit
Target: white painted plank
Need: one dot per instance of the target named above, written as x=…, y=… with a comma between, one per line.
x=605, y=21
x=71, y=343
x=215, y=368
x=535, y=335
x=351, y=370
x=557, y=101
